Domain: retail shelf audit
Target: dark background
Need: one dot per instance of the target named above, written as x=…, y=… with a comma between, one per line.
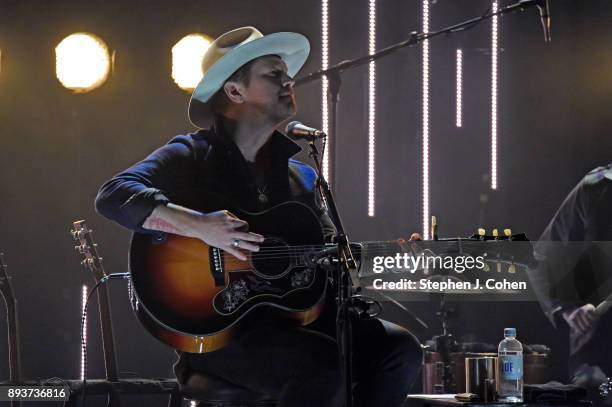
x=57, y=148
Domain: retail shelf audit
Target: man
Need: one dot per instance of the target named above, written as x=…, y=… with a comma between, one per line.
x=574, y=275
x=245, y=93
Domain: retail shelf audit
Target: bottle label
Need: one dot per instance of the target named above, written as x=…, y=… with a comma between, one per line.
x=511, y=367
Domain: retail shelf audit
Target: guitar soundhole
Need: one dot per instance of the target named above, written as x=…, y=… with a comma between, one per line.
x=273, y=257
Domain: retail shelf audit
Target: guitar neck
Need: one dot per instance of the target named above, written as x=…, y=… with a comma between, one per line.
x=6, y=290
x=13, y=342
x=108, y=339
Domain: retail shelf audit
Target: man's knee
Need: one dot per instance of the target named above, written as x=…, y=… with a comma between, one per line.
x=402, y=344
x=404, y=355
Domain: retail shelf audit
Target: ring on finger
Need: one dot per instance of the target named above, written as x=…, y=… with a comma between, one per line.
x=236, y=243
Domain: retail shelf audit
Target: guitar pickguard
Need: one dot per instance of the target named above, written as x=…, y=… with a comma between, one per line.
x=245, y=286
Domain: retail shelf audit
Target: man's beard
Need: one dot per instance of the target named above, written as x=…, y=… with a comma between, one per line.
x=286, y=109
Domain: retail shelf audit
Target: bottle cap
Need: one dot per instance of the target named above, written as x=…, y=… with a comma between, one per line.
x=510, y=332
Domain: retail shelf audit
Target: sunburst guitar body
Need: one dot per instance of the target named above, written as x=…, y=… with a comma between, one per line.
x=197, y=298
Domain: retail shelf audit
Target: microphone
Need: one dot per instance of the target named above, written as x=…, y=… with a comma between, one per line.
x=299, y=131
x=544, y=9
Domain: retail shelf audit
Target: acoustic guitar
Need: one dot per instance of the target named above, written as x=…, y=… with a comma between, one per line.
x=86, y=246
x=197, y=298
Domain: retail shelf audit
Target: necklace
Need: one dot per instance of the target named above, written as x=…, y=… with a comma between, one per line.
x=261, y=191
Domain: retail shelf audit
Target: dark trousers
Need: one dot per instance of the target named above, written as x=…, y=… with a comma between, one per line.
x=300, y=367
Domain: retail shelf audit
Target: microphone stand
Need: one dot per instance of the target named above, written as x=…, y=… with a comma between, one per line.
x=346, y=270
x=344, y=276
x=334, y=73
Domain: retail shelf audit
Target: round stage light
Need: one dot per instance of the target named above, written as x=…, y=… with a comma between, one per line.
x=82, y=62
x=187, y=57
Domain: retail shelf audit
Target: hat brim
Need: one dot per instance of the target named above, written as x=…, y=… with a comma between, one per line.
x=292, y=48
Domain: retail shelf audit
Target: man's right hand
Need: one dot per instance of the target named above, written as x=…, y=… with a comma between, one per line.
x=220, y=229
x=581, y=319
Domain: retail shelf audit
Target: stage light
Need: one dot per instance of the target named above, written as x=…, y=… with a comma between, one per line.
x=187, y=56
x=371, y=109
x=425, y=119
x=325, y=83
x=84, y=343
x=82, y=62
x=459, y=90
x=494, y=96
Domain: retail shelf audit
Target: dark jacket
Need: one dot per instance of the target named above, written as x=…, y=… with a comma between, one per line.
x=206, y=171
x=575, y=250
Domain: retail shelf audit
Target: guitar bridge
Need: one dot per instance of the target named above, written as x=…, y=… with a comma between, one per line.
x=217, y=266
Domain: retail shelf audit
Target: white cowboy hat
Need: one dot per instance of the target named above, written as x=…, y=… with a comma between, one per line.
x=234, y=49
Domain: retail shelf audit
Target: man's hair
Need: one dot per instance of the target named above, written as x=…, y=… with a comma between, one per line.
x=219, y=101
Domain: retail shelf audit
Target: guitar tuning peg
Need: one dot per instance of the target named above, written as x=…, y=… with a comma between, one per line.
x=486, y=267
x=95, y=245
x=84, y=263
x=498, y=267
x=512, y=269
x=508, y=232
x=481, y=232
x=495, y=233
x=434, y=228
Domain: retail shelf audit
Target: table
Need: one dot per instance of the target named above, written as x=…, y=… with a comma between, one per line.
x=435, y=400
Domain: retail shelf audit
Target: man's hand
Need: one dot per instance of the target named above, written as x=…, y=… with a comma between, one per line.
x=224, y=230
x=582, y=319
x=220, y=229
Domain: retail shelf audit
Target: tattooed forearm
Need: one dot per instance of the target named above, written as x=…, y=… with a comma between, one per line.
x=155, y=223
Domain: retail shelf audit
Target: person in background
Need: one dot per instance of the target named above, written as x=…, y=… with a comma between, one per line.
x=573, y=280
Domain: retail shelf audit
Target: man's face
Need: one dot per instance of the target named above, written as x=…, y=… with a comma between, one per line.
x=270, y=89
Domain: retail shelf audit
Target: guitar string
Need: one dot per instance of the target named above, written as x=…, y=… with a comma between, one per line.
x=385, y=244
x=293, y=250
x=369, y=247
x=284, y=254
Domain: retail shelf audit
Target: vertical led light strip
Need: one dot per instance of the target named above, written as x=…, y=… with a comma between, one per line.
x=84, y=344
x=371, y=109
x=494, y=72
x=324, y=82
x=459, y=96
x=425, y=129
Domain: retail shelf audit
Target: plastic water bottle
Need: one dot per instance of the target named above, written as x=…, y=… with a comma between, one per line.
x=510, y=361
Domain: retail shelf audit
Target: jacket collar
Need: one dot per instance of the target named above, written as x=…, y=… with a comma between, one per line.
x=278, y=142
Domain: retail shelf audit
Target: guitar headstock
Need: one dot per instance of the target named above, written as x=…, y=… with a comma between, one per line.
x=495, y=235
x=504, y=256
x=87, y=248
x=5, y=281
x=2, y=265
